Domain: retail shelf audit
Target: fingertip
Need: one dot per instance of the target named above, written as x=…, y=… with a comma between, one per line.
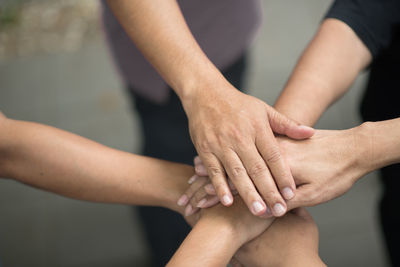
x=227, y=200
x=258, y=208
x=278, y=210
x=287, y=193
x=183, y=200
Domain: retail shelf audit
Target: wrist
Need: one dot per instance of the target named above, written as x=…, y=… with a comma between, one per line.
x=200, y=86
x=383, y=143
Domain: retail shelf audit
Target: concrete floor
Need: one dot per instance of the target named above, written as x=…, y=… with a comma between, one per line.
x=80, y=92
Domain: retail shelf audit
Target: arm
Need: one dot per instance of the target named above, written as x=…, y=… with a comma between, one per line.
x=325, y=71
x=76, y=167
x=291, y=241
x=219, y=233
x=232, y=132
x=325, y=166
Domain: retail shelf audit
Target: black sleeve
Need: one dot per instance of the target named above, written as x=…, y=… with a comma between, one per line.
x=374, y=21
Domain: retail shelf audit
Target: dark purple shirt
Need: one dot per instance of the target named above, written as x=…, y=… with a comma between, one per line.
x=224, y=30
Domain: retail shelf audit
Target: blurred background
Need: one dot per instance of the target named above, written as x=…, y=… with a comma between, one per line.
x=56, y=69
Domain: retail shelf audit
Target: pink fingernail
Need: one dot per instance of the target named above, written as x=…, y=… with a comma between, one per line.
x=183, y=200
x=287, y=193
x=210, y=189
x=192, y=179
x=226, y=200
x=257, y=207
x=305, y=127
x=279, y=209
x=201, y=203
x=188, y=210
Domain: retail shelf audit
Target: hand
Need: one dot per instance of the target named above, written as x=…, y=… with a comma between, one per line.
x=327, y=165
x=290, y=241
x=238, y=218
x=200, y=194
x=234, y=133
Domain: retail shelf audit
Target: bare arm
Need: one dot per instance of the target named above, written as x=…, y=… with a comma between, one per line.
x=232, y=132
x=219, y=233
x=325, y=71
x=76, y=167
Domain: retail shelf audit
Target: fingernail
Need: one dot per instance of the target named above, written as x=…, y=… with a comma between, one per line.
x=201, y=203
x=210, y=189
x=192, y=179
x=279, y=209
x=201, y=170
x=257, y=207
x=188, y=210
x=287, y=193
x=226, y=200
x=305, y=127
x=183, y=200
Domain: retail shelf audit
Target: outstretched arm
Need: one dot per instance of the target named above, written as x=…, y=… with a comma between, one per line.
x=73, y=166
x=219, y=233
x=325, y=71
x=232, y=132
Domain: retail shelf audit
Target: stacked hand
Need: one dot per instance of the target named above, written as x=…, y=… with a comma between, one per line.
x=234, y=136
x=324, y=167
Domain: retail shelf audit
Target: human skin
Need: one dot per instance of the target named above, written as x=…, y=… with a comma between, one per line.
x=290, y=241
x=73, y=166
x=233, y=132
x=329, y=163
x=218, y=234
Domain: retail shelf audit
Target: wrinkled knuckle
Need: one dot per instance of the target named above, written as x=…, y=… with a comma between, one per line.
x=237, y=172
x=273, y=156
x=214, y=171
x=258, y=170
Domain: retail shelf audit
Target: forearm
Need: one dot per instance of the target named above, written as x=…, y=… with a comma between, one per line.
x=160, y=32
x=327, y=68
x=76, y=167
x=208, y=244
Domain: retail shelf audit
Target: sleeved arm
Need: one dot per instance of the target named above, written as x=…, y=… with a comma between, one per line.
x=374, y=21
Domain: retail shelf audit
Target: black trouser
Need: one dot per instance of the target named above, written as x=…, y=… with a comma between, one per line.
x=381, y=102
x=166, y=136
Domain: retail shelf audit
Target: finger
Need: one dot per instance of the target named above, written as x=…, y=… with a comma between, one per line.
x=192, y=179
x=199, y=197
x=211, y=201
x=216, y=174
x=211, y=190
x=269, y=150
x=198, y=183
x=199, y=167
x=244, y=185
x=283, y=125
x=305, y=197
x=262, y=179
x=190, y=210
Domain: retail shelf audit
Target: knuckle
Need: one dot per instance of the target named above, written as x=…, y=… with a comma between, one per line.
x=273, y=156
x=257, y=170
x=237, y=172
x=214, y=171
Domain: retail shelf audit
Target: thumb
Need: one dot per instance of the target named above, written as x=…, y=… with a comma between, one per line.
x=283, y=125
